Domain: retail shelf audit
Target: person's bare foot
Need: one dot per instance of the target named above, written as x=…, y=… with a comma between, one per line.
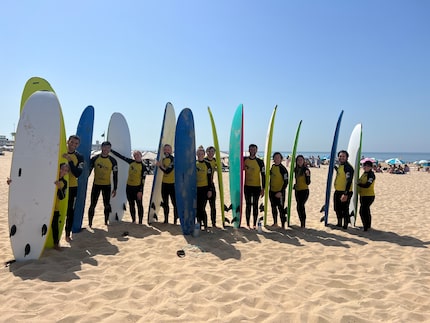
x=57, y=247
x=68, y=239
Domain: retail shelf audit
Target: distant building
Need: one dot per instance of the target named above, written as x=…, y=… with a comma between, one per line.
x=5, y=143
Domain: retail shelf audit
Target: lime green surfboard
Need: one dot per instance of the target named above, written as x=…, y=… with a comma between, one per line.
x=292, y=165
x=218, y=166
x=267, y=161
x=31, y=86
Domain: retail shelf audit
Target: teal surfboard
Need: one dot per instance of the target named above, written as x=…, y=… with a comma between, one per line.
x=85, y=133
x=167, y=136
x=354, y=151
x=218, y=166
x=236, y=166
x=185, y=171
x=331, y=168
x=292, y=166
x=267, y=161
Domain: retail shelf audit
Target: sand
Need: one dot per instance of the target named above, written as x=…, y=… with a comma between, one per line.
x=316, y=274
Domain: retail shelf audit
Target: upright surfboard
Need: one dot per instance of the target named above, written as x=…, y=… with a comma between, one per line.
x=85, y=133
x=167, y=136
x=236, y=166
x=331, y=168
x=34, y=170
x=218, y=166
x=267, y=161
x=354, y=151
x=292, y=166
x=119, y=136
x=32, y=85
x=185, y=171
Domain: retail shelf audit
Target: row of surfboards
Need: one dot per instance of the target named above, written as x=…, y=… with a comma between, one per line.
x=40, y=143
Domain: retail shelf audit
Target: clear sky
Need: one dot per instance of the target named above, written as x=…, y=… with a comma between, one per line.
x=311, y=58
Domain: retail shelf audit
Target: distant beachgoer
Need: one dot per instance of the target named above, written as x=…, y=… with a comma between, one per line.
x=366, y=190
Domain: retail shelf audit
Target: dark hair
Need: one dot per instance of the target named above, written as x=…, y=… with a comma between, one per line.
x=106, y=143
x=368, y=163
x=343, y=151
x=253, y=145
x=75, y=137
x=277, y=153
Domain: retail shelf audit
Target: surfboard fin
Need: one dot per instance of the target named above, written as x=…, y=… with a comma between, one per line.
x=234, y=220
x=12, y=231
x=286, y=210
x=161, y=204
x=238, y=209
x=44, y=229
x=322, y=209
x=27, y=249
x=116, y=217
x=124, y=207
x=260, y=219
x=322, y=218
x=227, y=220
x=227, y=208
x=153, y=206
x=261, y=207
x=155, y=217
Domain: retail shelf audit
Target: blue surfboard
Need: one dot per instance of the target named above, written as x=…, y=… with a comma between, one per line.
x=331, y=168
x=185, y=171
x=85, y=132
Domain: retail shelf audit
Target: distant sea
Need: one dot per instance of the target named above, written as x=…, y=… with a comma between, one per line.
x=406, y=157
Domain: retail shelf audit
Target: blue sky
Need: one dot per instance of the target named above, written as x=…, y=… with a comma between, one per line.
x=311, y=58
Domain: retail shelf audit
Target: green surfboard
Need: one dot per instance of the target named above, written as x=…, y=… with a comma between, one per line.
x=267, y=160
x=292, y=165
x=218, y=165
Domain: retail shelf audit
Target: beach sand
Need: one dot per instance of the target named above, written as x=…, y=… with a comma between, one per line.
x=317, y=274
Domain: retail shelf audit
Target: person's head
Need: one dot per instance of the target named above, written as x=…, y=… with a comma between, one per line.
x=367, y=165
x=64, y=169
x=137, y=155
x=342, y=156
x=106, y=147
x=200, y=153
x=210, y=152
x=300, y=160
x=73, y=143
x=277, y=158
x=167, y=150
x=252, y=150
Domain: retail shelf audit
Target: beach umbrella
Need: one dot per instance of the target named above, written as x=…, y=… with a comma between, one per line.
x=149, y=155
x=373, y=160
x=395, y=161
x=423, y=161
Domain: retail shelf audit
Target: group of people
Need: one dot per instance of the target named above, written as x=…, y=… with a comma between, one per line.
x=105, y=165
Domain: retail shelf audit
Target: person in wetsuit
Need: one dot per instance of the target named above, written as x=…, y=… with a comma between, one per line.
x=167, y=166
x=204, y=186
x=255, y=179
x=366, y=190
x=61, y=185
x=302, y=175
x=343, y=189
x=137, y=172
x=278, y=185
x=76, y=165
x=210, y=152
x=104, y=165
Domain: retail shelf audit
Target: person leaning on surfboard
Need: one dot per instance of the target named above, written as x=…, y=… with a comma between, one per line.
x=343, y=189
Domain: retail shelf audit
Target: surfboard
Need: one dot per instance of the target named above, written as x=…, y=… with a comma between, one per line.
x=119, y=136
x=354, y=151
x=32, y=85
x=85, y=133
x=218, y=166
x=167, y=136
x=292, y=166
x=331, y=168
x=185, y=171
x=34, y=170
x=267, y=161
x=236, y=166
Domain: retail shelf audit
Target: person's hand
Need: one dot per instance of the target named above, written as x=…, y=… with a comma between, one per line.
x=344, y=198
x=66, y=156
x=278, y=195
x=8, y=181
x=113, y=193
x=262, y=192
x=139, y=196
x=209, y=195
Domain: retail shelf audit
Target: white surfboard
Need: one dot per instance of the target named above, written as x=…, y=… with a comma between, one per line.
x=354, y=151
x=33, y=173
x=167, y=136
x=119, y=136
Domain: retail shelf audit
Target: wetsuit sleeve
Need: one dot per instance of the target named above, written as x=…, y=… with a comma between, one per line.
x=307, y=177
x=76, y=170
x=114, y=172
x=263, y=172
x=126, y=159
x=92, y=162
x=209, y=175
x=370, y=180
x=143, y=177
x=284, y=173
x=349, y=172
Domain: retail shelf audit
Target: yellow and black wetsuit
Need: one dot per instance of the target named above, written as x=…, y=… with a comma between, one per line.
x=213, y=197
x=255, y=179
x=103, y=167
x=137, y=172
x=366, y=190
x=278, y=184
x=343, y=185
x=76, y=165
x=301, y=191
x=168, y=187
x=204, y=185
x=61, y=194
